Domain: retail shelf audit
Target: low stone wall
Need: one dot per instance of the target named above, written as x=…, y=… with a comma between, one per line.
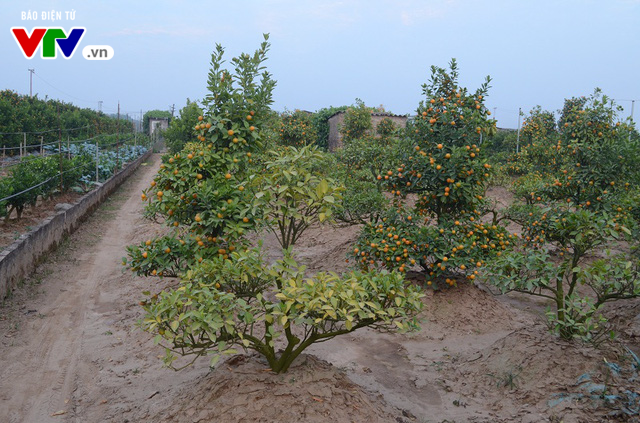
x=20, y=259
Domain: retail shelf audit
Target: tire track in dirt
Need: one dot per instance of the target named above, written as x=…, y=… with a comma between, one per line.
x=46, y=360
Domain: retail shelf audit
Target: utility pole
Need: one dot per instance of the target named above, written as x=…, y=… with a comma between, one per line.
x=31, y=82
x=118, y=139
x=100, y=105
x=633, y=102
x=60, y=149
x=494, y=113
x=518, y=137
x=173, y=108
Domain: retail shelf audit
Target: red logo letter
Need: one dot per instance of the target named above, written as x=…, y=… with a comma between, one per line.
x=27, y=43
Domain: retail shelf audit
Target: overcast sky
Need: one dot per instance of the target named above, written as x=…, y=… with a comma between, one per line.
x=328, y=53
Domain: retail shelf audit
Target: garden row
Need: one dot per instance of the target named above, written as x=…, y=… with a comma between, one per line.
x=34, y=120
x=78, y=167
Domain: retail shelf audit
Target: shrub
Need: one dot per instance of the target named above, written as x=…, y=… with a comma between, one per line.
x=294, y=197
x=33, y=177
x=6, y=189
x=230, y=297
x=243, y=303
x=361, y=160
x=576, y=234
x=386, y=128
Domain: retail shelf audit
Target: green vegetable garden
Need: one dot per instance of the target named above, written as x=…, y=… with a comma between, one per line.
x=39, y=162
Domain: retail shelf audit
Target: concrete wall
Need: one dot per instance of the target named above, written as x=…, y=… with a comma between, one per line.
x=336, y=121
x=335, y=137
x=158, y=123
x=21, y=258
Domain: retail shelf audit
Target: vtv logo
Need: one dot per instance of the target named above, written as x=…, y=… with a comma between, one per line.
x=49, y=38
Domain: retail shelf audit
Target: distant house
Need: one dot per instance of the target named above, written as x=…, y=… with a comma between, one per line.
x=336, y=121
x=158, y=123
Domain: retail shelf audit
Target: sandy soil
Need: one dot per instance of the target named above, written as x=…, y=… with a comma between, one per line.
x=70, y=351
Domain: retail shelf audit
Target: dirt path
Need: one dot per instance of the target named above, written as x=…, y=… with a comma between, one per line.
x=49, y=338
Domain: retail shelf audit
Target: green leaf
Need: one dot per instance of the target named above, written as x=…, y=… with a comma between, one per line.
x=214, y=360
x=322, y=188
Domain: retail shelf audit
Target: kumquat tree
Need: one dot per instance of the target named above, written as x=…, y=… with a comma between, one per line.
x=201, y=191
x=584, y=205
x=213, y=193
x=438, y=187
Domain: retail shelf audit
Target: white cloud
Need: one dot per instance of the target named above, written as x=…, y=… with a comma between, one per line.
x=174, y=32
x=415, y=12
x=336, y=12
x=279, y=17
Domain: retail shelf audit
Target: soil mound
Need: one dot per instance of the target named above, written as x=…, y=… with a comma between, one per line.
x=244, y=390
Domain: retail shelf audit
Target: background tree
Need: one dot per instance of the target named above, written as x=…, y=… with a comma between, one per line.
x=181, y=129
x=40, y=119
x=296, y=129
x=320, y=122
x=357, y=121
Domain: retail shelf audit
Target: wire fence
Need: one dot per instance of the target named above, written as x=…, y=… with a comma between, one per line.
x=43, y=149
x=40, y=184
x=47, y=131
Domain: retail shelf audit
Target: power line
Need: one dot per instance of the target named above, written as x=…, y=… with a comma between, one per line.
x=58, y=89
